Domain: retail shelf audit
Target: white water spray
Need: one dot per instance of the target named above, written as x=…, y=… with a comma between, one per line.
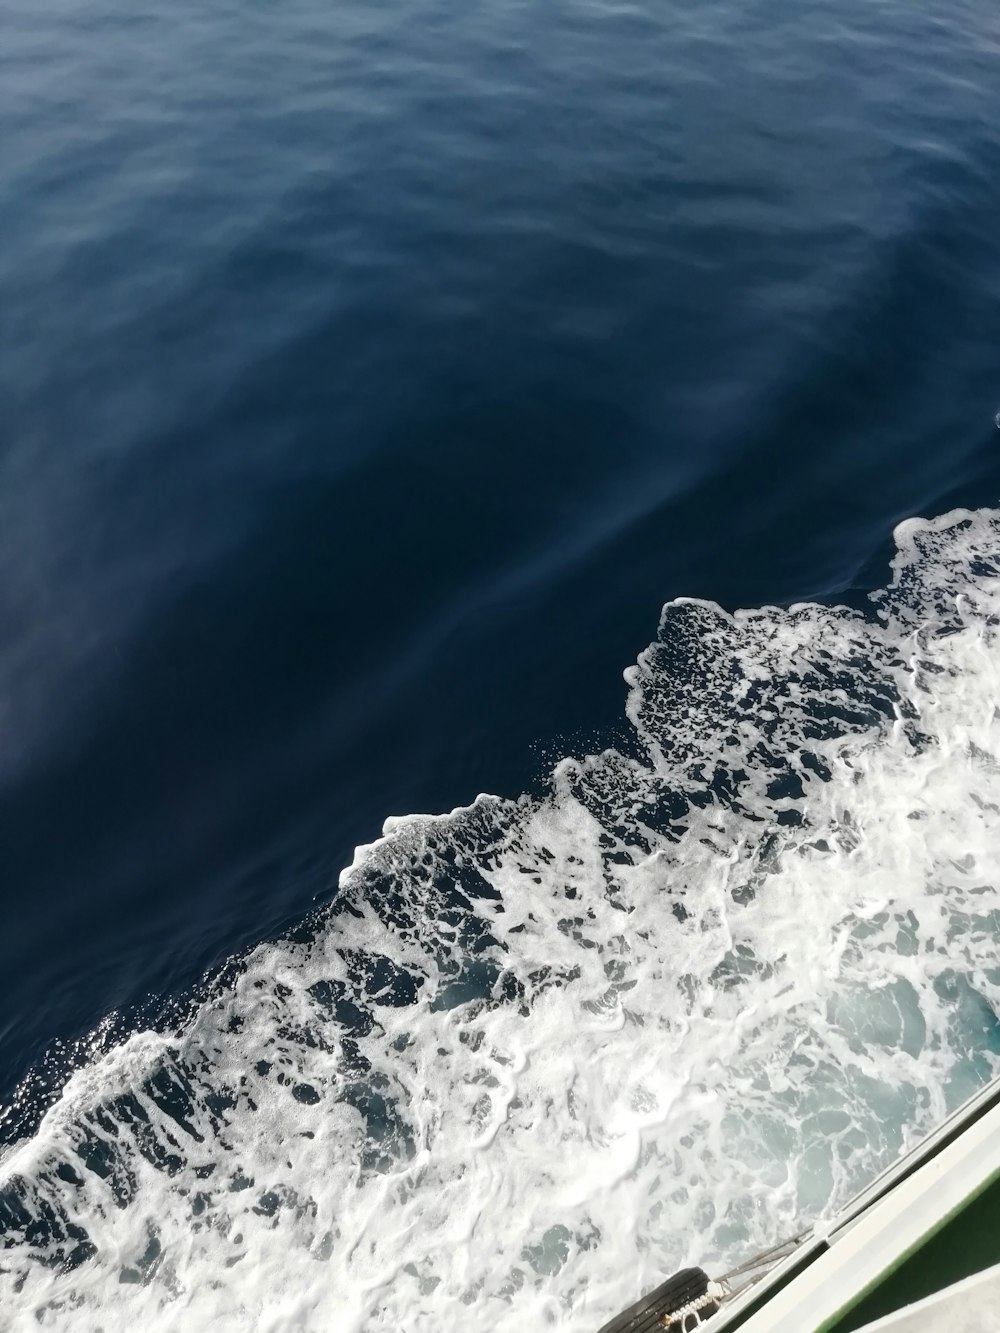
x=542, y=1052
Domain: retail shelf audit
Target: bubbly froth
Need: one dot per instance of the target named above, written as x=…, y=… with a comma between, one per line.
x=540, y=1052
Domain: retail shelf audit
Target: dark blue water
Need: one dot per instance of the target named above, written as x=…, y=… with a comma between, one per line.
x=370, y=374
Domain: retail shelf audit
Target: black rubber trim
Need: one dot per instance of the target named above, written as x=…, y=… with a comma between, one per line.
x=646, y=1314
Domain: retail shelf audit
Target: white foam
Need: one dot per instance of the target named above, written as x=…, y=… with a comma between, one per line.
x=543, y=1052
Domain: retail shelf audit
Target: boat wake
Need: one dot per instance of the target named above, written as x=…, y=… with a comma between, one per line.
x=541, y=1052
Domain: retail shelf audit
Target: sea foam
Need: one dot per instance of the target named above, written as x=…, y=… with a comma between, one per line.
x=539, y=1053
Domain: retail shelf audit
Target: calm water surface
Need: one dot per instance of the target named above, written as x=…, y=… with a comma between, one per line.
x=370, y=374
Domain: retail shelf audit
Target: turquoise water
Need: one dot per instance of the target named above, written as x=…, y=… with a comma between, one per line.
x=369, y=380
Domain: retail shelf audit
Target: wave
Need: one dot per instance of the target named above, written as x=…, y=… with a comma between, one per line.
x=540, y=1052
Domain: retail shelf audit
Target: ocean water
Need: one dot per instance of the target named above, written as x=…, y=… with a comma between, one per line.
x=377, y=383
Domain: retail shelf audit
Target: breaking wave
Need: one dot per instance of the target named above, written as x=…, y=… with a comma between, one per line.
x=540, y=1052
